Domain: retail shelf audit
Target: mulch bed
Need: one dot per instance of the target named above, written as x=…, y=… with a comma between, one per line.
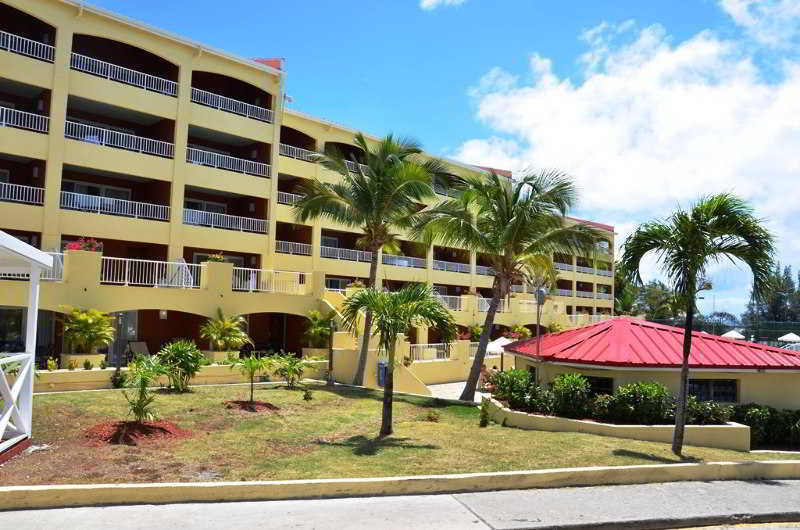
x=133, y=433
x=252, y=406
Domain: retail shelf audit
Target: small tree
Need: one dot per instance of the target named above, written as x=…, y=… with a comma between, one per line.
x=88, y=329
x=225, y=332
x=318, y=329
x=143, y=371
x=291, y=368
x=182, y=361
x=251, y=366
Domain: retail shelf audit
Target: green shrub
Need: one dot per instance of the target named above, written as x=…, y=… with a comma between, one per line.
x=769, y=427
x=291, y=368
x=52, y=364
x=601, y=407
x=484, y=421
x=540, y=400
x=118, y=379
x=182, y=360
x=707, y=412
x=307, y=395
x=512, y=386
x=641, y=404
x=571, y=395
x=87, y=365
x=73, y=364
x=103, y=364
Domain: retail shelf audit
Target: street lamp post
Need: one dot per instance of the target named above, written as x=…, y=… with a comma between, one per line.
x=331, y=329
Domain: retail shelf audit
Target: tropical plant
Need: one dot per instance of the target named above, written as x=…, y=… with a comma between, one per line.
x=571, y=393
x=395, y=313
x=518, y=225
x=378, y=195
x=143, y=371
x=72, y=364
x=716, y=228
x=87, y=365
x=90, y=244
x=318, y=329
x=52, y=364
x=251, y=366
x=518, y=332
x=217, y=257
x=225, y=332
x=182, y=360
x=291, y=368
x=641, y=403
x=475, y=332
x=87, y=329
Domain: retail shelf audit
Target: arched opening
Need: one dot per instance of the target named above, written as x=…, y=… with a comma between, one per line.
x=148, y=330
x=49, y=336
x=277, y=331
x=297, y=139
x=16, y=24
x=228, y=87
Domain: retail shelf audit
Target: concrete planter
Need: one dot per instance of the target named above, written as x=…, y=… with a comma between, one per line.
x=315, y=352
x=217, y=356
x=730, y=436
x=80, y=358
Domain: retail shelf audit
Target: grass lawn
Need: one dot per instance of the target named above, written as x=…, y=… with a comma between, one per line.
x=331, y=436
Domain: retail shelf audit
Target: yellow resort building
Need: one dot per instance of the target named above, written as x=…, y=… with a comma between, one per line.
x=167, y=151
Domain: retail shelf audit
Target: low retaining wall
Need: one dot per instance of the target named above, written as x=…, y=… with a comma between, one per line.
x=730, y=436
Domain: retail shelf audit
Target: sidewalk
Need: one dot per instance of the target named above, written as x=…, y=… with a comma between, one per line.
x=668, y=505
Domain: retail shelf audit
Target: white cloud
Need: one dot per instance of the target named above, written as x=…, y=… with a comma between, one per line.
x=770, y=22
x=654, y=124
x=433, y=4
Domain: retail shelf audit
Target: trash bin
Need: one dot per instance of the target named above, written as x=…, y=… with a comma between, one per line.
x=383, y=372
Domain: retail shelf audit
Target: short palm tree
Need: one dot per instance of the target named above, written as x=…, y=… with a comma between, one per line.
x=251, y=366
x=378, y=197
x=225, y=332
x=716, y=228
x=87, y=329
x=517, y=224
x=395, y=313
x=318, y=329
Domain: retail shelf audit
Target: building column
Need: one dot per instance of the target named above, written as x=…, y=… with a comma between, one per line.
x=473, y=262
x=429, y=267
x=268, y=257
x=180, y=166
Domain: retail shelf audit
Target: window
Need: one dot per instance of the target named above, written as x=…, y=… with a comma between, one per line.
x=723, y=390
x=97, y=190
x=601, y=385
x=532, y=371
x=328, y=241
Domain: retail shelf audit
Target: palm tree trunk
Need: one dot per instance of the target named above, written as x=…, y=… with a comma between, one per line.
x=680, y=410
x=358, y=379
x=388, y=394
x=475, y=372
x=252, y=382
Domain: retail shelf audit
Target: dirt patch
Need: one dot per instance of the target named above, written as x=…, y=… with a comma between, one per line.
x=133, y=433
x=252, y=406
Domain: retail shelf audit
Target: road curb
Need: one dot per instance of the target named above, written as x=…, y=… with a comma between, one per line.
x=62, y=496
x=689, y=522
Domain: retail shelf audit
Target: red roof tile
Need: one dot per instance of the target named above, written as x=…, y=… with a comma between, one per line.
x=503, y=172
x=634, y=343
x=276, y=62
x=609, y=228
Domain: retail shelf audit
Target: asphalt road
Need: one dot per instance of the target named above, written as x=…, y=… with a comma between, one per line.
x=669, y=505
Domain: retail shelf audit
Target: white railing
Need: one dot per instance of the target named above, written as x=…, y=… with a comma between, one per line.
x=453, y=303
x=297, y=152
x=483, y=305
x=24, y=120
x=230, y=163
x=562, y=266
x=599, y=318
x=527, y=306
x=16, y=412
x=107, y=137
x=584, y=294
x=354, y=168
x=20, y=193
x=333, y=290
x=585, y=270
x=290, y=247
x=56, y=274
x=604, y=272
x=430, y=352
x=288, y=198
x=31, y=48
x=268, y=281
x=603, y=296
x=120, y=74
x=450, y=266
x=403, y=261
x=345, y=254
x=234, y=106
x=225, y=221
x=110, y=206
x=563, y=292
x=124, y=271
x=483, y=270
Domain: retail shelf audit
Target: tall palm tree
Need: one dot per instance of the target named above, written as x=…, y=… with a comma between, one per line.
x=716, y=228
x=378, y=197
x=395, y=313
x=517, y=224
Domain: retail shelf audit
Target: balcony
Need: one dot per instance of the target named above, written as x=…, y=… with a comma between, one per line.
x=353, y=167
x=30, y=48
x=234, y=106
x=453, y=303
x=585, y=270
x=109, y=138
x=229, y=163
x=451, y=266
x=268, y=281
x=20, y=193
x=24, y=120
x=110, y=206
x=563, y=292
x=56, y=274
x=483, y=305
x=148, y=273
x=404, y=261
x=297, y=152
x=604, y=272
x=584, y=294
x=430, y=352
x=345, y=254
x=563, y=266
x=288, y=198
x=120, y=74
x=604, y=296
x=224, y=221
x=291, y=247
x=483, y=270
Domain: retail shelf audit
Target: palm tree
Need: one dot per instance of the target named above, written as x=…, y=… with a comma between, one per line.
x=517, y=224
x=716, y=228
x=225, y=332
x=251, y=366
x=395, y=313
x=378, y=197
x=318, y=329
x=87, y=329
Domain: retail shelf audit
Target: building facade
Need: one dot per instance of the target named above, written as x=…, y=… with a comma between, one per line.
x=167, y=151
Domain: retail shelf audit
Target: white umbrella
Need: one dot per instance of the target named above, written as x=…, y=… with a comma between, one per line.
x=733, y=334
x=496, y=346
x=789, y=337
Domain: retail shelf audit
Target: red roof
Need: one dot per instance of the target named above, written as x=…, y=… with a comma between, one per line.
x=634, y=343
x=609, y=228
x=276, y=62
x=503, y=172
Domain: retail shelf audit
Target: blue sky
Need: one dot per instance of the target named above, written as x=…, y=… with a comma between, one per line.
x=647, y=104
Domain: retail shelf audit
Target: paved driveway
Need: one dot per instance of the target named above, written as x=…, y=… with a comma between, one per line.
x=452, y=391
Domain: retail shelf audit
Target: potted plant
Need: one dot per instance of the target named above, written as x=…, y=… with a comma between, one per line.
x=86, y=330
x=224, y=334
x=88, y=244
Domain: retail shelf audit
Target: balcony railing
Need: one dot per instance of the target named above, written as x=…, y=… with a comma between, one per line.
x=24, y=120
x=224, y=221
x=604, y=272
x=404, y=261
x=288, y=198
x=345, y=254
x=148, y=273
x=31, y=48
x=600, y=318
x=110, y=206
x=20, y=193
x=353, y=167
x=584, y=294
x=483, y=305
x=230, y=163
x=120, y=74
x=483, y=270
x=453, y=303
x=451, y=266
x=109, y=138
x=585, y=270
x=234, y=106
x=290, y=247
x=268, y=281
x=430, y=352
x=56, y=274
x=563, y=266
x=563, y=292
x=604, y=296
x=297, y=152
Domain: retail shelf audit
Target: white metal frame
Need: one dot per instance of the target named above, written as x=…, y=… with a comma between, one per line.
x=123, y=75
x=234, y=106
x=436, y=352
x=24, y=120
x=31, y=48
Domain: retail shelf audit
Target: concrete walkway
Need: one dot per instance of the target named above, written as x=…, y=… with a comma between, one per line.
x=452, y=391
x=668, y=505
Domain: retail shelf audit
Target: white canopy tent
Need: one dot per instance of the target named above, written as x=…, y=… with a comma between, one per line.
x=733, y=334
x=18, y=259
x=789, y=337
x=497, y=346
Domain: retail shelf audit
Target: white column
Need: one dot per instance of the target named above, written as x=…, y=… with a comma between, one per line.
x=31, y=320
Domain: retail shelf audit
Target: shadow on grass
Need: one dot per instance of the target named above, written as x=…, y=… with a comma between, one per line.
x=363, y=446
x=377, y=395
x=655, y=458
